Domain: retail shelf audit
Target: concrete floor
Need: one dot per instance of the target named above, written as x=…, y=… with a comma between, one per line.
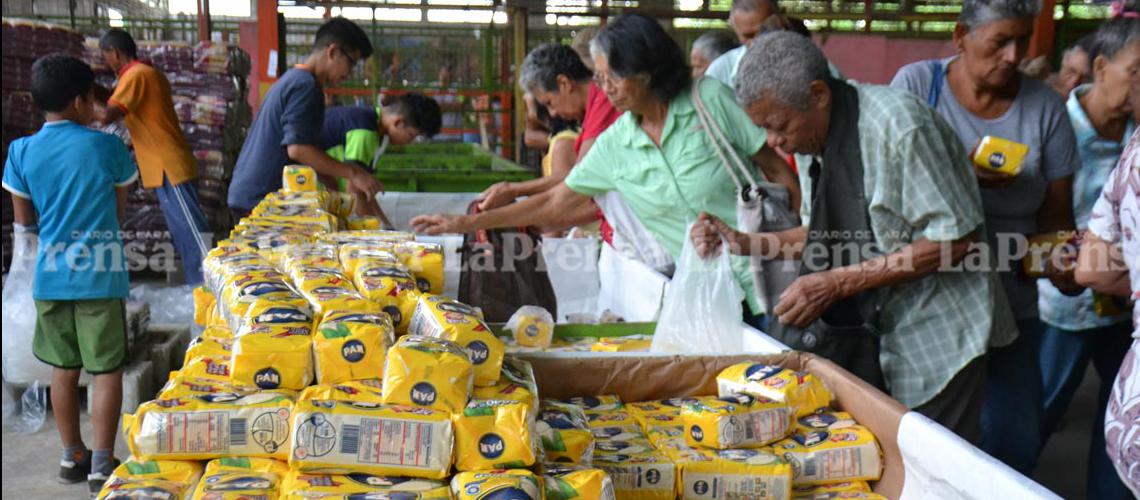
x=31, y=462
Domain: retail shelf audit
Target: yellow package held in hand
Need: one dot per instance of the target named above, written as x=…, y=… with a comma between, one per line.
x=368, y=391
x=493, y=434
x=824, y=491
x=203, y=305
x=516, y=484
x=737, y=474
x=337, y=437
x=532, y=326
x=276, y=359
x=428, y=373
x=351, y=346
x=392, y=288
x=739, y=421
x=650, y=476
x=163, y=479
x=569, y=483
x=241, y=478
x=425, y=261
x=844, y=454
x=358, y=485
x=440, y=317
x=565, y=433
x=211, y=426
x=296, y=178
x=1002, y=156
x=802, y=391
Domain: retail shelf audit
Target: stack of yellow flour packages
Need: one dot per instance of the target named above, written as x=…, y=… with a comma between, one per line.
x=331, y=368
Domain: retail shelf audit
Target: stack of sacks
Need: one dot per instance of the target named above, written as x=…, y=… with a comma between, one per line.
x=152, y=479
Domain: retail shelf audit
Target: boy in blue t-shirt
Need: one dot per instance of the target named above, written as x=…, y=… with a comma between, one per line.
x=73, y=180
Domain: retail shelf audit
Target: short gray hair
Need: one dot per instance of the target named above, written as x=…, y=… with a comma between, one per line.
x=977, y=13
x=1112, y=36
x=714, y=44
x=781, y=65
x=540, y=69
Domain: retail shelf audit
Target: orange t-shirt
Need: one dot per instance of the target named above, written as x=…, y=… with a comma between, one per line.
x=143, y=93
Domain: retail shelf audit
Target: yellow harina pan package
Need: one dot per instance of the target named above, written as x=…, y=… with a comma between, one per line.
x=844, y=454
x=179, y=386
x=208, y=367
x=739, y=421
x=363, y=222
x=802, y=391
x=618, y=433
x=440, y=317
x=173, y=479
x=428, y=373
x=212, y=347
x=671, y=406
x=516, y=484
x=340, y=436
x=824, y=491
x=203, y=305
x=622, y=446
x=619, y=418
x=303, y=486
x=392, y=288
x=653, y=421
x=824, y=419
x=633, y=343
x=296, y=178
x=650, y=476
x=241, y=478
x=368, y=391
x=211, y=426
x=351, y=346
x=565, y=434
x=508, y=391
x=737, y=474
x=565, y=483
x=532, y=326
x=279, y=358
x=1000, y=155
x=355, y=255
x=493, y=434
x=597, y=403
x=425, y=261
x=293, y=312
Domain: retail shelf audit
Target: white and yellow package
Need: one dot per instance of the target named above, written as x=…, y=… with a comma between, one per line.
x=211, y=426
x=532, y=326
x=843, y=454
x=441, y=317
x=516, y=484
x=351, y=346
x=630, y=343
x=263, y=315
x=737, y=474
x=569, y=483
x=616, y=418
x=172, y=479
x=296, y=178
x=336, y=437
x=208, y=367
x=739, y=421
x=208, y=347
x=802, y=391
x=618, y=433
x=650, y=476
x=659, y=420
x=597, y=403
x=180, y=385
x=368, y=391
x=494, y=434
x=425, y=261
x=825, y=491
x=358, y=485
x=622, y=446
x=516, y=383
x=428, y=373
x=279, y=358
x=565, y=433
x=356, y=255
x=392, y=288
x=823, y=420
x=241, y=478
x=671, y=406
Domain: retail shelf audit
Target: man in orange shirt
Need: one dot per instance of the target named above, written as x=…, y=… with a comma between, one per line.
x=142, y=99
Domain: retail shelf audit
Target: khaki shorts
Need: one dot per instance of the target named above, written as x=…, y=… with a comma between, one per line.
x=88, y=334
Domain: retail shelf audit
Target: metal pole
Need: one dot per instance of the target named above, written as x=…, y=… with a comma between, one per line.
x=204, y=21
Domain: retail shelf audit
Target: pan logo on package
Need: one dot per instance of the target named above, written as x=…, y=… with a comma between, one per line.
x=997, y=159
x=394, y=312
x=760, y=371
x=479, y=352
x=700, y=488
x=353, y=351
x=819, y=420
x=423, y=394
x=812, y=438
x=697, y=433
x=267, y=378
x=423, y=284
x=491, y=446
x=653, y=476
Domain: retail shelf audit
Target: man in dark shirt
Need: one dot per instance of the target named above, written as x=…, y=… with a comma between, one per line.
x=287, y=127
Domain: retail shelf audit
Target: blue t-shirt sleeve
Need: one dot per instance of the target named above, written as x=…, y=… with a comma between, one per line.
x=302, y=115
x=14, y=180
x=914, y=78
x=119, y=160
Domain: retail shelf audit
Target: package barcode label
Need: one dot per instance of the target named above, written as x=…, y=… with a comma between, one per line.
x=350, y=439
x=396, y=442
x=237, y=432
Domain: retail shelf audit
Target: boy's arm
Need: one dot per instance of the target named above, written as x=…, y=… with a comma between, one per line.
x=121, y=202
x=23, y=212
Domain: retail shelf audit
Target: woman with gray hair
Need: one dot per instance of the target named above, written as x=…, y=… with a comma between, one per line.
x=708, y=47
x=981, y=93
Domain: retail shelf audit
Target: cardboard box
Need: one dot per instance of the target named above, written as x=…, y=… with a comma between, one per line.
x=639, y=378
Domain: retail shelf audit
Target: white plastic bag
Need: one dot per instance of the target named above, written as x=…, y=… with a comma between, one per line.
x=701, y=312
x=21, y=368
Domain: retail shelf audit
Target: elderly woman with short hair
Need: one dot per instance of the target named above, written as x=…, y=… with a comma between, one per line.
x=981, y=93
x=889, y=177
x=653, y=155
x=708, y=47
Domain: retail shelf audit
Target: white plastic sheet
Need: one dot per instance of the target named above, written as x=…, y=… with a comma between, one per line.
x=629, y=288
x=572, y=265
x=401, y=208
